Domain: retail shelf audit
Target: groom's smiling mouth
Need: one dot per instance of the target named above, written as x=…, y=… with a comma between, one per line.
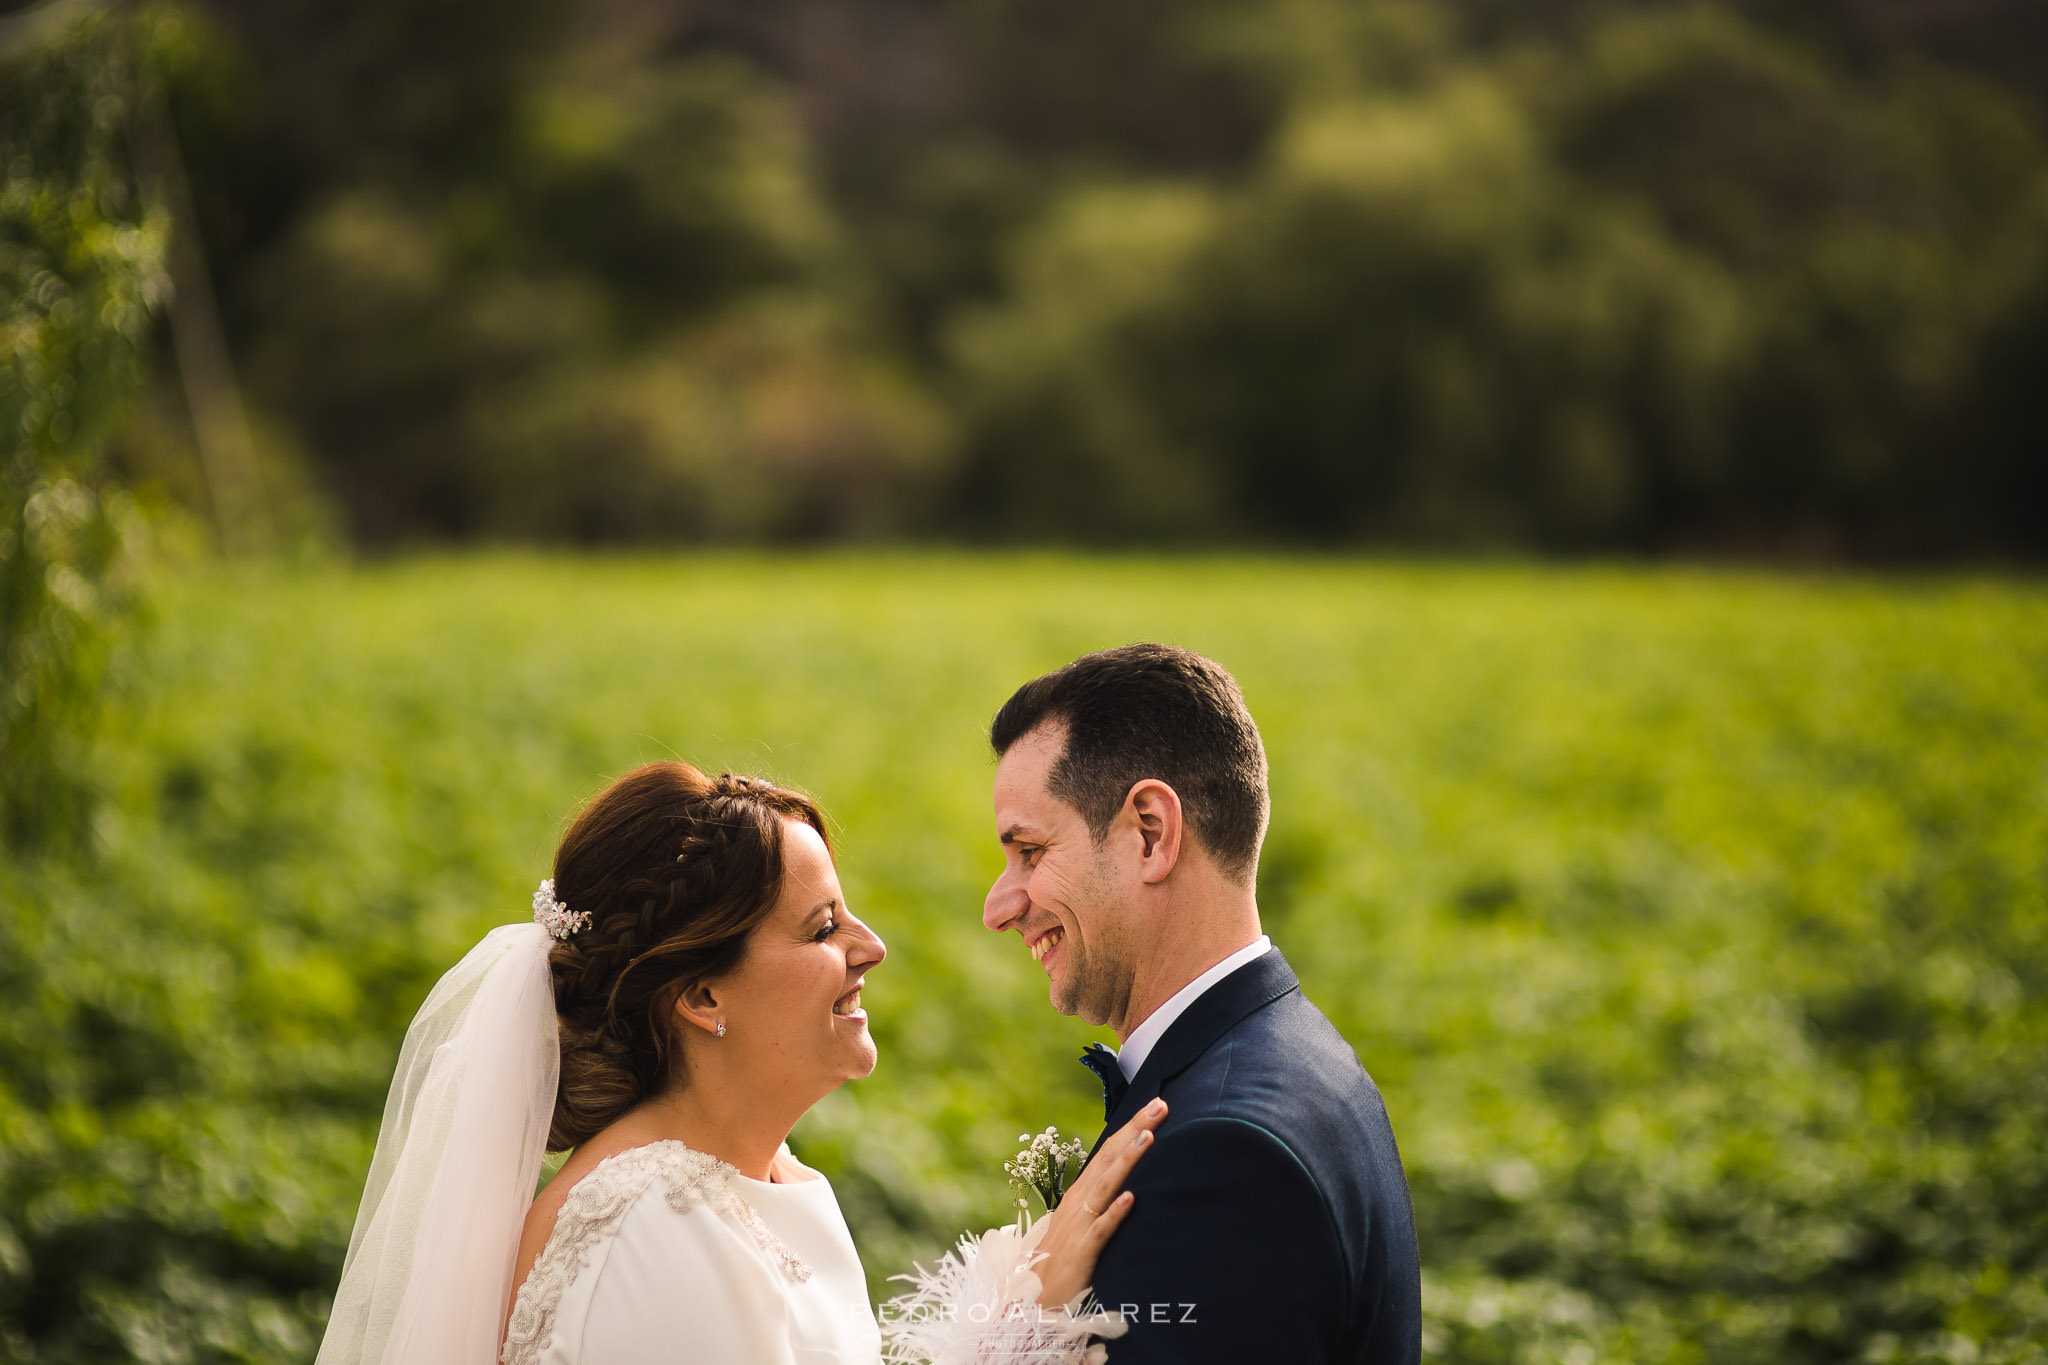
x=1045, y=943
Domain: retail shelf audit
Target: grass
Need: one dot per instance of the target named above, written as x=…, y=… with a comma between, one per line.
x=1692, y=923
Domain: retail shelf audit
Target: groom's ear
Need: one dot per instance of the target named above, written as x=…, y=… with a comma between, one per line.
x=1154, y=808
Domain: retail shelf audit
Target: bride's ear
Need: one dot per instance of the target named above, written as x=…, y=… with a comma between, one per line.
x=700, y=1006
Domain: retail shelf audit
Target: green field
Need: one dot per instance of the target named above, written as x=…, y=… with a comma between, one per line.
x=1693, y=923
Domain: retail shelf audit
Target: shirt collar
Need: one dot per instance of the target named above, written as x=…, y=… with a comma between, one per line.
x=1145, y=1036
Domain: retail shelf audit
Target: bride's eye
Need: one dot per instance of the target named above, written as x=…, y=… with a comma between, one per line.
x=825, y=930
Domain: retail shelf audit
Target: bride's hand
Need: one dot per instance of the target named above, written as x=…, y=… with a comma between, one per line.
x=1090, y=1211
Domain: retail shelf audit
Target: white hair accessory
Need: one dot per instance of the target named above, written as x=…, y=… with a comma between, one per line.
x=555, y=917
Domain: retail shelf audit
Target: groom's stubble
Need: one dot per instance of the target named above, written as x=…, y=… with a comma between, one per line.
x=1102, y=963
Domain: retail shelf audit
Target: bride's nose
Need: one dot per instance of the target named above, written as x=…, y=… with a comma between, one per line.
x=869, y=950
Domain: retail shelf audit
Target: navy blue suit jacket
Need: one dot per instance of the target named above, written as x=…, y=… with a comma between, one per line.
x=1272, y=1220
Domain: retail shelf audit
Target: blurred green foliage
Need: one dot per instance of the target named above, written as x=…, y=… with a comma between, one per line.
x=1694, y=925
x=81, y=268
x=1760, y=277
x=514, y=358
x=1676, y=283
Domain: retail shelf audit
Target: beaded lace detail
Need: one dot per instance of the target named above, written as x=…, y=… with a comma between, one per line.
x=592, y=1213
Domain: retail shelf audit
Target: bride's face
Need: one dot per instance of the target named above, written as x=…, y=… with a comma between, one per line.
x=793, y=1006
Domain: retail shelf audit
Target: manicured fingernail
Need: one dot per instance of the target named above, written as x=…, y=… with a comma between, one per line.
x=1156, y=1107
x=1141, y=1139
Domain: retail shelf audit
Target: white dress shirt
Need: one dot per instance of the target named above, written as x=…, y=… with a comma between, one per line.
x=1145, y=1036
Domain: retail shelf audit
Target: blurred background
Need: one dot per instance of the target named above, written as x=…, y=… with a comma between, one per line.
x=1605, y=439
x=1759, y=279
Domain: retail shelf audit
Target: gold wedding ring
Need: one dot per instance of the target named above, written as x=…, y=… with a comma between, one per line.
x=1091, y=1208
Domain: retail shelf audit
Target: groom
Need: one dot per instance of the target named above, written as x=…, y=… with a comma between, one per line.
x=1272, y=1220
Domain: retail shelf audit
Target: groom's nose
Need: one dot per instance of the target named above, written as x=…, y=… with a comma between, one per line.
x=1006, y=903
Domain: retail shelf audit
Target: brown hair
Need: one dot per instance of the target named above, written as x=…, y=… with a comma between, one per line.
x=1151, y=711
x=675, y=869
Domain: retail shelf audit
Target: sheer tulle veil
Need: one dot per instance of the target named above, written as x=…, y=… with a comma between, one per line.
x=429, y=1267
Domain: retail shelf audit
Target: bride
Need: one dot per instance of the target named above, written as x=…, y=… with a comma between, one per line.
x=689, y=987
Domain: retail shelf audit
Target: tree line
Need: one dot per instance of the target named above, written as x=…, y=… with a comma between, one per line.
x=1725, y=279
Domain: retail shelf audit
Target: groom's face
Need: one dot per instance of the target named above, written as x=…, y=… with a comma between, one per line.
x=1059, y=889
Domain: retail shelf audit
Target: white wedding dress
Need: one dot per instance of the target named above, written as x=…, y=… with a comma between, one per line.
x=662, y=1254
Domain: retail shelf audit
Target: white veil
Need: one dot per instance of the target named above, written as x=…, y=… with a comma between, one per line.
x=429, y=1267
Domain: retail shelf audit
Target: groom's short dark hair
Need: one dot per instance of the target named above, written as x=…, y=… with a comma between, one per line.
x=1151, y=711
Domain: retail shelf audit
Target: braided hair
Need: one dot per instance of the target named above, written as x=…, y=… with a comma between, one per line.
x=675, y=870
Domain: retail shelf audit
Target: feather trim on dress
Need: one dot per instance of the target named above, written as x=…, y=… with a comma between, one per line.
x=979, y=1306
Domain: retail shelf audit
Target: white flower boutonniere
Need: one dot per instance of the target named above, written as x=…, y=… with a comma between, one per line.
x=1046, y=1167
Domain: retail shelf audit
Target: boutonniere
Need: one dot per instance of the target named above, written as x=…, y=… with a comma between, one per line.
x=1046, y=1167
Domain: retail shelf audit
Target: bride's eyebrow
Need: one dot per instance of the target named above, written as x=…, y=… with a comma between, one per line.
x=829, y=903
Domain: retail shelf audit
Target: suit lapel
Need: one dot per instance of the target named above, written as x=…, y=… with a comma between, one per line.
x=1214, y=1013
